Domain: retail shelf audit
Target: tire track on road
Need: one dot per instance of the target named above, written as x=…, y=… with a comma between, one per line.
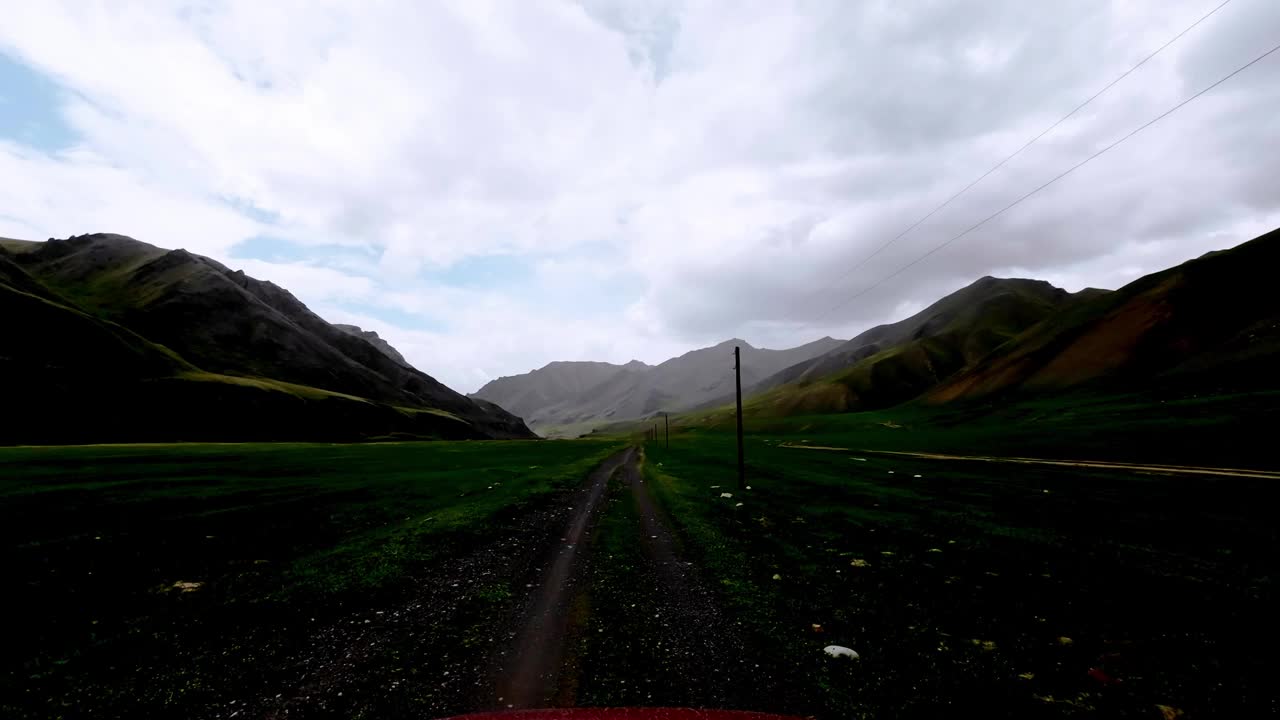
x=658, y=635
x=532, y=672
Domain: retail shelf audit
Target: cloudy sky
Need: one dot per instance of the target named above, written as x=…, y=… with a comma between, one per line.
x=495, y=184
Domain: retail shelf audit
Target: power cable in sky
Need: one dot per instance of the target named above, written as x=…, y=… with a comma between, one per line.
x=1017, y=152
x=1055, y=179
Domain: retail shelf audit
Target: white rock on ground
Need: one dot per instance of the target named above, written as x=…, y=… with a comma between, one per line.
x=726, y=495
x=840, y=651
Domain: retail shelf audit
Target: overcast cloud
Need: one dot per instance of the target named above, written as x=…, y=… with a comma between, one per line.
x=496, y=184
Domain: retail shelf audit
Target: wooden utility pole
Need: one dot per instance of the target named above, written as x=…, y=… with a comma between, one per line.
x=666, y=426
x=737, y=376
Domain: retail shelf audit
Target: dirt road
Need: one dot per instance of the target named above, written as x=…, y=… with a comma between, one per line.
x=531, y=672
x=505, y=625
x=1095, y=464
x=704, y=658
x=652, y=634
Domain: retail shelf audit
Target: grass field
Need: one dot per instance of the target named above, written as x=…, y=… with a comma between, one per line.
x=174, y=580
x=153, y=579
x=1209, y=429
x=996, y=590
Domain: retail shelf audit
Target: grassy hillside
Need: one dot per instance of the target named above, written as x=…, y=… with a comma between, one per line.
x=1209, y=325
x=116, y=340
x=966, y=324
x=891, y=364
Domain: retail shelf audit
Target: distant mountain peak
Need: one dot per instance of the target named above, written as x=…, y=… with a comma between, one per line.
x=580, y=394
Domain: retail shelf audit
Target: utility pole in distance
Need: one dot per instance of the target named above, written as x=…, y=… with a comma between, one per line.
x=737, y=375
x=666, y=426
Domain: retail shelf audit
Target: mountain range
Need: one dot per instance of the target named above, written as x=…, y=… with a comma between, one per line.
x=108, y=339
x=1210, y=325
x=568, y=397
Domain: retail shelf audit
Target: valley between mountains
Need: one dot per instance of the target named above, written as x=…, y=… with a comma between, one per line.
x=1018, y=502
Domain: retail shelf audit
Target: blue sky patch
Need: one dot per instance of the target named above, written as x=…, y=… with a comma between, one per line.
x=30, y=108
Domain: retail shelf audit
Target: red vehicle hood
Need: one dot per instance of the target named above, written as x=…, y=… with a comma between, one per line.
x=621, y=714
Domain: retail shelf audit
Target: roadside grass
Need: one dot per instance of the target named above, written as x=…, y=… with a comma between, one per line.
x=152, y=576
x=994, y=591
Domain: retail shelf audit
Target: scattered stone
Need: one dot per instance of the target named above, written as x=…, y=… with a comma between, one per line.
x=1168, y=712
x=860, y=563
x=726, y=495
x=1065, y=641
x=186, y=586
x=915, y=476
x=1027, y=676
x=1100, y=676
x=934, y=550
x=816, y=627
x=776, y=576
x=840, y=651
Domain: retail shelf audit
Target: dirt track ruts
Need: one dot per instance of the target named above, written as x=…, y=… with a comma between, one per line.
x=530, y=671
x=710, y=663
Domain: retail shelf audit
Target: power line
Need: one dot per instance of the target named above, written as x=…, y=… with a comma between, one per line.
x=1063, y=174
x=1019, y=151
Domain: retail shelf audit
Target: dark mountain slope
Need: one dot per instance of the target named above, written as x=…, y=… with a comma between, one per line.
x=235, y=337
x=1211, y=325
